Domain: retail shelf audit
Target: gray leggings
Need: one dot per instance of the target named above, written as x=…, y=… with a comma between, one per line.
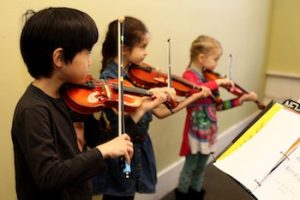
x=192, y=174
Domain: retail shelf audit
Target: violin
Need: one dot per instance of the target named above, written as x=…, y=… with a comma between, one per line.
x=236, y=90
x=148, y=77
x=94, y=95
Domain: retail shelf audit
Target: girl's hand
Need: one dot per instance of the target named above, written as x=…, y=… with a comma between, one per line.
x=205, y=92
x=117, y=147
x=160, y=95
x=251, y=96
x=170, y=92
x=149, y=103
x=225, y=82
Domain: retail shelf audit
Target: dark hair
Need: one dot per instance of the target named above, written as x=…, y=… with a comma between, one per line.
x=134, y=29
x=52, y=28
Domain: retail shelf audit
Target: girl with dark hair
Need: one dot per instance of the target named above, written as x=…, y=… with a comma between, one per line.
x=143, y=178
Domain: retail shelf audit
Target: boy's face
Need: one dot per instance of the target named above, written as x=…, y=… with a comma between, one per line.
x=78, y=69
x=210, y=60
x=139, y=52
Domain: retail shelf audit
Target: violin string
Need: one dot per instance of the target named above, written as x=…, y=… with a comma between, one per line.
x=131, y=89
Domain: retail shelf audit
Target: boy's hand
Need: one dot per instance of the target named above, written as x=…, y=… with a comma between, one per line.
x=117, y=147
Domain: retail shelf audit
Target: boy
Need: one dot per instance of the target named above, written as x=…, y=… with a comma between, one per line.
x=49, y=164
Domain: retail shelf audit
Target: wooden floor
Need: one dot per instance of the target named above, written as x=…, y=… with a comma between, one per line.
x=219, y=186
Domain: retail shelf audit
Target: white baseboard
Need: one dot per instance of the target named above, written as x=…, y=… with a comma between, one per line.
x=282, y=86
x=168, y=177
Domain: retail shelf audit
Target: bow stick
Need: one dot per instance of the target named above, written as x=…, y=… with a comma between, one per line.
x=125, y=166
x=169, y=64
x=230, y=67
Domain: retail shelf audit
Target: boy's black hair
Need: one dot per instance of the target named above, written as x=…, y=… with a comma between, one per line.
x=52, y=28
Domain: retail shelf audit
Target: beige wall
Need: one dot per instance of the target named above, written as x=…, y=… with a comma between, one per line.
x=240, y=25
x=284, y=51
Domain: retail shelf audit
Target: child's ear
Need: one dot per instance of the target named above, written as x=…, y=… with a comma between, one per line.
x=201, y=57
x=58, y=57
x=126, y=51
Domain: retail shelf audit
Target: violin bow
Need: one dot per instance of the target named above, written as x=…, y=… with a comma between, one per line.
x=121, y=122
x=169, y=64
x=230, y=67
x=172, y=104
x=259, y=104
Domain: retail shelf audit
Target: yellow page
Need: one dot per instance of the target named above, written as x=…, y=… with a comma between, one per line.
x=253, y=130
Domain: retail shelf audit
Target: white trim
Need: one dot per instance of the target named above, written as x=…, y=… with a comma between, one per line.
x=168, y=177
x=281, y=86
x=282, y=74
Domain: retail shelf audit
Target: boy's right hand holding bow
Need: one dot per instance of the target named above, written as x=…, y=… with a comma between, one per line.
x=117, y=147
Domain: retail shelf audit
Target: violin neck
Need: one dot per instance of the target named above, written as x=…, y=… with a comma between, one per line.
x=243, y=91
x=134, y=90
x=183, y=81
x=240, y=88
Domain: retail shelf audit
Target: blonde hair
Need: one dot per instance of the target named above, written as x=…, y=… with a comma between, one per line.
x=203, y=44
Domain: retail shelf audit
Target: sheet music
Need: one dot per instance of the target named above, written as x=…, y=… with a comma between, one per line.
x=284, y=182
x=253, y=130
x=250, y=163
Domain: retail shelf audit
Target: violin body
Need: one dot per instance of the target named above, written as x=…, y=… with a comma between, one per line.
x=148, y=77
x=94, y=95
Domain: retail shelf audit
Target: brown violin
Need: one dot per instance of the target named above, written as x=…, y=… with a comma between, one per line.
x=148, y=77
x=93, y=95
x=237, y=90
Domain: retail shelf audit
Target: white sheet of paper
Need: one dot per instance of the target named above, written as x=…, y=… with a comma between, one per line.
x=284, y=182
x=251, y=162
